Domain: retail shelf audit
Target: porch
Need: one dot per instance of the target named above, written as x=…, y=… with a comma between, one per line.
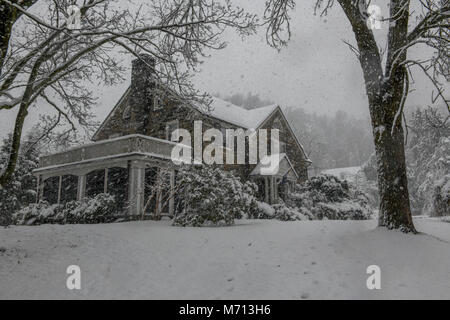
x=123, y=166
x=275, y=175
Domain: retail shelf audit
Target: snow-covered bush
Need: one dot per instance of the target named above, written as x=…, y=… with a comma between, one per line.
x=264, y=211
x=284, y=213
x=321, y=188
x=326, y=196
x=99, y=209
x=21, y=190
x=427, y=156
x=345, y=210
x=212, y=196
x=431, y=178
x=37, y=213
x=441, y=197
x=280, y=212
x=327, y=188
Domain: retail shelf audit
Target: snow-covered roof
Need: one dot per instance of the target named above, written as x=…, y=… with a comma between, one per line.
x=239, y=116
x=273, y=165
x=249, y=119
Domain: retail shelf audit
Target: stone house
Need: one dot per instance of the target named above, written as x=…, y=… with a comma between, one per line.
x=134, y=142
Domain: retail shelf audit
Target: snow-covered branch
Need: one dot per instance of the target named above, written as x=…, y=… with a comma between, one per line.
x=55, y=58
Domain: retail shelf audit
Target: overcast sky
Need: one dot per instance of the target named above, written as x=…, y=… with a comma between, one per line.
x=316, y=71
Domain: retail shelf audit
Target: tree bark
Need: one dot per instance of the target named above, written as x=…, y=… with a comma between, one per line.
x=395, y=211
x=386, y=110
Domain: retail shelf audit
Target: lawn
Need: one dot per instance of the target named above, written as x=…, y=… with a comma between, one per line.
x=255, y=259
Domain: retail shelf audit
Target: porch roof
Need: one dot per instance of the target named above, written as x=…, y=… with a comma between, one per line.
x=106, y=153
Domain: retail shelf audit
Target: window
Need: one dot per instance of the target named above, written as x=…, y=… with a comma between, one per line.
x=157, y=103
x=171, y=126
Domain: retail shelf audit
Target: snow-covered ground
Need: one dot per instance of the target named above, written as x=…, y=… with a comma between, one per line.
x=251, y=260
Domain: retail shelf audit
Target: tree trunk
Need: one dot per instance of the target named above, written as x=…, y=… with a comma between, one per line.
x=386, y=94
x=395, y=212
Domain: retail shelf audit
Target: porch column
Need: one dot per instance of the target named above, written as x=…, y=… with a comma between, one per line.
x=59, y=189
x=272, y=190
x=172, y=193
x=266, y=189
x=276, y=194
x=105, y=182
x=39, y=188
x=81, y=188
x=136, y=186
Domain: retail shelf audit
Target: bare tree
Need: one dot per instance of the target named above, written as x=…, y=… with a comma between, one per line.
x=8, y=16
x=387, y=81
x=52, y=61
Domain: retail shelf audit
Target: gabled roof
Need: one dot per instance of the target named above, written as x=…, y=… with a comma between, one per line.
x=266, y=167
x=111, y=113
x=254, y=118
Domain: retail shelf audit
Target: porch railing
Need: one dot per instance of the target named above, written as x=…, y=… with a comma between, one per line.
x=135, y=143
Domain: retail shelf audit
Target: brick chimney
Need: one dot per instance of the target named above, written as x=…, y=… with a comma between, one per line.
x=141, y=95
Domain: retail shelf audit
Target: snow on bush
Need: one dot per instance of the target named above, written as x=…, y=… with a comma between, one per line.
x=21, y=190
x=441, y=197
x=211, y=196
x=265, y=211
x=328, y=197
x=36, y=214
x=99, y=209
x=345, y=210
x=427, y=157
x=281, y=212
x=284, y=213
x=434, y=180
